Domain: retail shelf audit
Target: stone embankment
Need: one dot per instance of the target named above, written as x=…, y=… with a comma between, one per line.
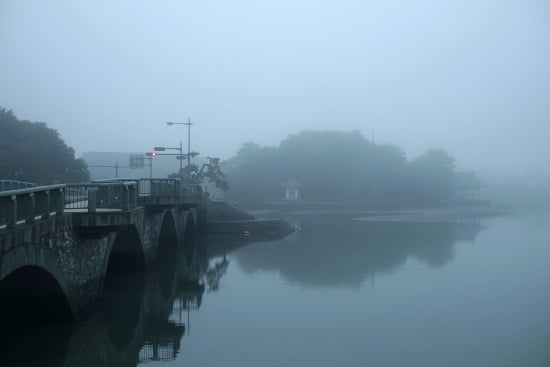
x=226, y=219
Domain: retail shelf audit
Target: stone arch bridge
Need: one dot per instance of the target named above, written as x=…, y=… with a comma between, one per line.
x=59, y=244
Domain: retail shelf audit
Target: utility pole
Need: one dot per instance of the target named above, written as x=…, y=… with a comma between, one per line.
x=181, y=159
x=188, y=123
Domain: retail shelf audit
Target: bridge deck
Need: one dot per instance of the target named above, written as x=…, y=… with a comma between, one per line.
x=110, y=201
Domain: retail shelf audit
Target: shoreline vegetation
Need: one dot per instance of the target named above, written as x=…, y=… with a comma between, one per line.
x=345, y=167
x=365, y=213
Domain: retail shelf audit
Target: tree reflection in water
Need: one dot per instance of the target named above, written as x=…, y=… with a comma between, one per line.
x=215, y=272
x=336, y=250
x=344, y=253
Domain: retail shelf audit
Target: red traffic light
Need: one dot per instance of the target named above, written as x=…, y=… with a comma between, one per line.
x=151, y=154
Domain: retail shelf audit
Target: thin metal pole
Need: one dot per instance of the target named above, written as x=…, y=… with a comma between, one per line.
x=151, y=168
x=116, y=169
x=181, y=158
x=188, y=142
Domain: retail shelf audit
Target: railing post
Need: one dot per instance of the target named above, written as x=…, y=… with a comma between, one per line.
x=111, y=197
x=31, y=208
x=134, y=195
x=11, y=213
x=47, y=206
x=61, y=202
x=125, y=197
x=92, y=198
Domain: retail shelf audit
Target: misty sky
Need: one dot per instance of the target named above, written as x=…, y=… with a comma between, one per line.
x=472, y=77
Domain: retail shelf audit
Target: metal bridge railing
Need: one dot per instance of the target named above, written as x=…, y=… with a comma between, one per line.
x=112, y=195
x=192, y=191
x=163, y=350
x=8, y=185
x=158, y=187
x=27, y=205
x=169, y=187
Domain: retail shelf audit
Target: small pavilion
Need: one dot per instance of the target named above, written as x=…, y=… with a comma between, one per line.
x=292, y=190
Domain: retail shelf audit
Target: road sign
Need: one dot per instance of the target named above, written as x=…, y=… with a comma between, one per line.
x=136, y=161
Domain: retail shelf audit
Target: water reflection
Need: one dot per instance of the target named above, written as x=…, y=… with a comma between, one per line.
x=143, y=317
x=215, y=273
x=336, y=250
x=42, y=345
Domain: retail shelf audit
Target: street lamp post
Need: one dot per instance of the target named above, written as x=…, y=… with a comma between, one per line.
x=188, y=123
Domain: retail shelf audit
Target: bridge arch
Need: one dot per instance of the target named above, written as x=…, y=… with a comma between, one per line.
x=168, y=238
x=33, y=308
x=123, y=285
x=33, y=288
x=25, y=271
x=167, y=251
x=190, y=240
x=125, y=253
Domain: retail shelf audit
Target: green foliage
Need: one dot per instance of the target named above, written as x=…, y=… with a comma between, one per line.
x=341, y=166
x=433, y=177
x=30, y=151
x=209, y=172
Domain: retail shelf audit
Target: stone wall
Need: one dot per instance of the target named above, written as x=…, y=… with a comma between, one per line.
x=77, y=257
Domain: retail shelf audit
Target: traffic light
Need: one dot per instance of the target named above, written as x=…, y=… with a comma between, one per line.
x=151, y=154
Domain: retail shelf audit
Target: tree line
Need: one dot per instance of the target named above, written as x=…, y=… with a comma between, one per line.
x=33, y=152
x=345, y=166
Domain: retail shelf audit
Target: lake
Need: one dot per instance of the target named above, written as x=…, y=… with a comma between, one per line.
x=345, y=289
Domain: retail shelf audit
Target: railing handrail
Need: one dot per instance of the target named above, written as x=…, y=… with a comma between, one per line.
x=107, y=180
x=42, y=201
x=174, y=180
x=31, y=190
x=23, y=182
x=25, y=205
x=102, y=184
x=18, y=182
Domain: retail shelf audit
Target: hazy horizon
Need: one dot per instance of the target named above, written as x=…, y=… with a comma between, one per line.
x=469, y=77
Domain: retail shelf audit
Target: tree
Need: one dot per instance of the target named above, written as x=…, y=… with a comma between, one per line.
x=433, y=177
x=30, y=151
x=341, y=166
x=209, y=172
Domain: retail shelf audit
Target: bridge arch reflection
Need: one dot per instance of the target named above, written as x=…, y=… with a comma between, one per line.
x=166, y=262
x=190, y=243
x=137, y=321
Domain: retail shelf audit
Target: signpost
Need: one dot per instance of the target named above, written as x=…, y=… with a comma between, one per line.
x=137, y=161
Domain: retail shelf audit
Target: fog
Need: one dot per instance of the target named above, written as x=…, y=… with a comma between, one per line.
x=470, y=77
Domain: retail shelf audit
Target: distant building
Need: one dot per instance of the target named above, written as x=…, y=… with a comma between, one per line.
x=292, y=190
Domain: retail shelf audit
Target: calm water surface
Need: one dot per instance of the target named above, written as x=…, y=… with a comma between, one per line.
x=340, y=291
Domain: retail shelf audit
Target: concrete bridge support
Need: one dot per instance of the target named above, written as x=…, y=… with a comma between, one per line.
x=67, y=261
